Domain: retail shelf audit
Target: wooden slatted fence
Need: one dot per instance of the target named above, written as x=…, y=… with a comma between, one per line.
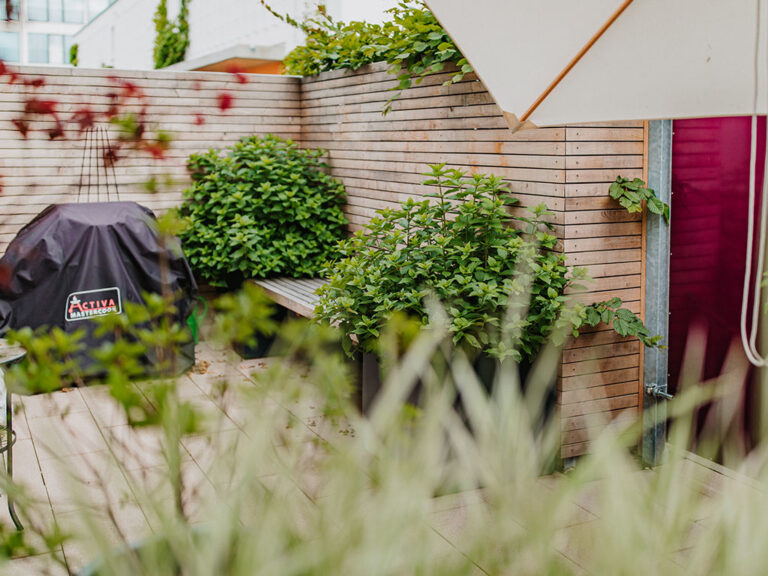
x=381, y=159
x=37, y=172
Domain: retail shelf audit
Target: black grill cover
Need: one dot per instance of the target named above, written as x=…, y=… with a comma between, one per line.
x=75, y=261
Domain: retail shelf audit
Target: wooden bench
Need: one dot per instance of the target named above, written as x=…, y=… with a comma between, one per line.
x=297, y=295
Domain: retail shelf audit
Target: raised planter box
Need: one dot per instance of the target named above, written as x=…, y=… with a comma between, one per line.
x=486, y=368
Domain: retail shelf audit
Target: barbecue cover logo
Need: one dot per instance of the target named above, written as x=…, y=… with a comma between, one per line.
x=93, y=303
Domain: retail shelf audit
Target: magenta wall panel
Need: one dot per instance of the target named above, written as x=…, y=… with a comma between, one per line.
x=710, y=178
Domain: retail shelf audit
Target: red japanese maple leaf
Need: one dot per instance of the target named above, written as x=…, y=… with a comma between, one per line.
x=225, y=101
x=57, y=131
x=128, y=88
x=37, y=106
x=22, y=126
x=110, y=156
x=156, y=149
x=238, y=74
x=84, y=117
x=34, y=82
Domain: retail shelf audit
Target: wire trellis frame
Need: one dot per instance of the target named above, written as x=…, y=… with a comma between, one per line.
x=98, y=161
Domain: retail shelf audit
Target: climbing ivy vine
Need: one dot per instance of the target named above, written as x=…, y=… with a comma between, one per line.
x=632, y=193
x=412, y=41
x=171, y=36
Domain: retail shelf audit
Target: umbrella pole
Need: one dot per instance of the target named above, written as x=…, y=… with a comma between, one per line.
x=586, y=48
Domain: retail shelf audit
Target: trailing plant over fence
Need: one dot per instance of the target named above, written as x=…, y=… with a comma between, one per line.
x=503, y=286
x=632, y=193
x=171, y=36
x=263, y=208
x=623, y=320
x=413, y=42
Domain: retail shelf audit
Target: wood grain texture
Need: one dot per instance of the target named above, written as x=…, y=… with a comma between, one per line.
x=298, y=295
x=601, y=372
x=381, y=159
x=37, y=172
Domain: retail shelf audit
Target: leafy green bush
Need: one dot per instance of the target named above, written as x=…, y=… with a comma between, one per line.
x=420, y=45
x=503, y=286
x=413, y=42
x=171, y=36
x=334, y=45
x=265, y=208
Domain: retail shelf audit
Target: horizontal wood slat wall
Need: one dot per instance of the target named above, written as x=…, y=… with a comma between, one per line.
x=381, y=160
x=601, y=373
x=37, y=172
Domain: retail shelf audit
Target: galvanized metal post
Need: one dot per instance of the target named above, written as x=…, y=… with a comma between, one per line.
x=657, y=293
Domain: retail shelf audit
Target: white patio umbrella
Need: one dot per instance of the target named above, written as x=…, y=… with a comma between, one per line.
x=552, y=62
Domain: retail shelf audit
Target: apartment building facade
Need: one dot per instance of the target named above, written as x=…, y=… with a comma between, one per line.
x=42, y=31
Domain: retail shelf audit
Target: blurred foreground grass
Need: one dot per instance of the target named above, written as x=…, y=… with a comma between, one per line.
x=384, y=498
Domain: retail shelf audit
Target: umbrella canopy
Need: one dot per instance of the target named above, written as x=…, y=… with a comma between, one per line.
x=549, y=62
x=552, y=62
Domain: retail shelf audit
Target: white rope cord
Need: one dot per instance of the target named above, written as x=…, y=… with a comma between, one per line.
x=750, y=341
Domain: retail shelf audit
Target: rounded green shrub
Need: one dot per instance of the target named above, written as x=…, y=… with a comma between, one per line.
x=264, y=207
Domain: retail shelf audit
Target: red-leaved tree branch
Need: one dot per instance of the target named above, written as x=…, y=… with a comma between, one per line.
x=127, y=110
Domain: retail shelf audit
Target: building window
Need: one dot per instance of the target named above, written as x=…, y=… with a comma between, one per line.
x=47, y=49
x=55, y=11
x=46, y=10
x=73, y=11
x=37, y=10
x=9, y=46
x=37, y=46
x=68, y=41
x=56, y=49
x=14, y=14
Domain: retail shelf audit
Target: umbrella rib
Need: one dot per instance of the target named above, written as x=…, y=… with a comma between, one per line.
x=576, y=59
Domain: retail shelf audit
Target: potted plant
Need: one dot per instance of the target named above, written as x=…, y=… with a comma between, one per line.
x=502, y=283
